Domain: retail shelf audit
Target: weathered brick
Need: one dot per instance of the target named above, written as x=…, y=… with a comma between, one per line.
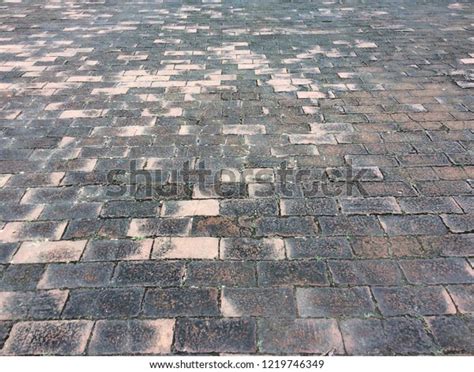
x=429, y=205
x=176, y=302
x=266, y=302
x=125, y=337
x=352, y=225
x=252, y=249
x=408, y=336
x=413, y=225
x=21, y=231
x=309, y=206
x=384, y=205
x=193, y=248
x=291, y=273
x=21, y=277
x=186, y=208
x=115, y=250
x=103, y=303
x=159, y=227
x=463, y=297
x=459, y=223
x=55, y=337
x=33, y=305
x=126, y=208
x=218, y=227
x=437, y=271
x=221, y=273
x=312, y=336
x=453, y=333
x=216, y=335
x=312, y=247
x=289, y=226
x=329, y=302
x=59, y=251
x=20, y=212
x=394, y=301
x=450, y=245
x=364, y=337
x=7, y=250
x=76, y=275
x=365, y=272
x=149, y=273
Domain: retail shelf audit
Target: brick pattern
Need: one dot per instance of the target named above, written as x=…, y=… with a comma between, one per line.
x=382, y=267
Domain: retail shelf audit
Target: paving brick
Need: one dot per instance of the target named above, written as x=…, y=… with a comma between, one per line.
x=459, y=223
x=221, y=274
x=311, y=207
x=76, y=275
x=192, y=248
x=21, y=231
x=291, y=273
x=185, y=208
x=429, y=205
x=255, y=207
x=252, y=249
x=264, y=302
x=149, y=273
x=385, y=205
x=289, y=226
x=5, y=328
x=437, y=271
x=159, y=227
x=311, y=336
x=330, y=302
x=408, y=336
x=450, y=245
x=218, y=227
x=54, y=337
x=20, y=212
x=463, y=297
x=413, y=225
x=216, y=335
x=351, y=225
x=21, y=277
x=312, y=247
x=394, y=301
x=7, y=250
x=364, y=337
x=60, y=251
x=177, y=302
x=115, y=250
x=32, y=305
x=365, y=272
x=125, y=337
x=103, y=303
x=142, y=208
x=453, y=333
x=383, y=247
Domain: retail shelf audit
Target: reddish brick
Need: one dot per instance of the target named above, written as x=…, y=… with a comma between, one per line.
x=365, y=272
x=437, y=271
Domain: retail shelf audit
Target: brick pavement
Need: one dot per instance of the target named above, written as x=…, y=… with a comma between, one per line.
x=102, y=254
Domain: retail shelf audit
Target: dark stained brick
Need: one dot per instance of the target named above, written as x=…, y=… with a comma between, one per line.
x=463, y=223
x=176, y=302
x=364, y=337
x=429, y=205
x=394, y=301
x=308, y=207
x=221, y=273
x=103, y=303
x=408, y=336
x=58, y=337
x=365, y=272
x=450, y=245
x=312, y=336
x=252, y=249
x=463, y=297
x=149, y=273
x=437, y=271
x=76, y=275
x=289, y=226
x=112, y=250
x=352, y=225
x=453, y=333
x=252, y=207
x=329, y=302
x=413, y=225
x=215, y=335
x=383, y=205
x=265, y=302
x=21, y=277
x=125, y=337
x=291, y=273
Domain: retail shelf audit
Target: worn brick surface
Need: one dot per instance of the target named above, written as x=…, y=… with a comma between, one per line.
x=236, y=177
